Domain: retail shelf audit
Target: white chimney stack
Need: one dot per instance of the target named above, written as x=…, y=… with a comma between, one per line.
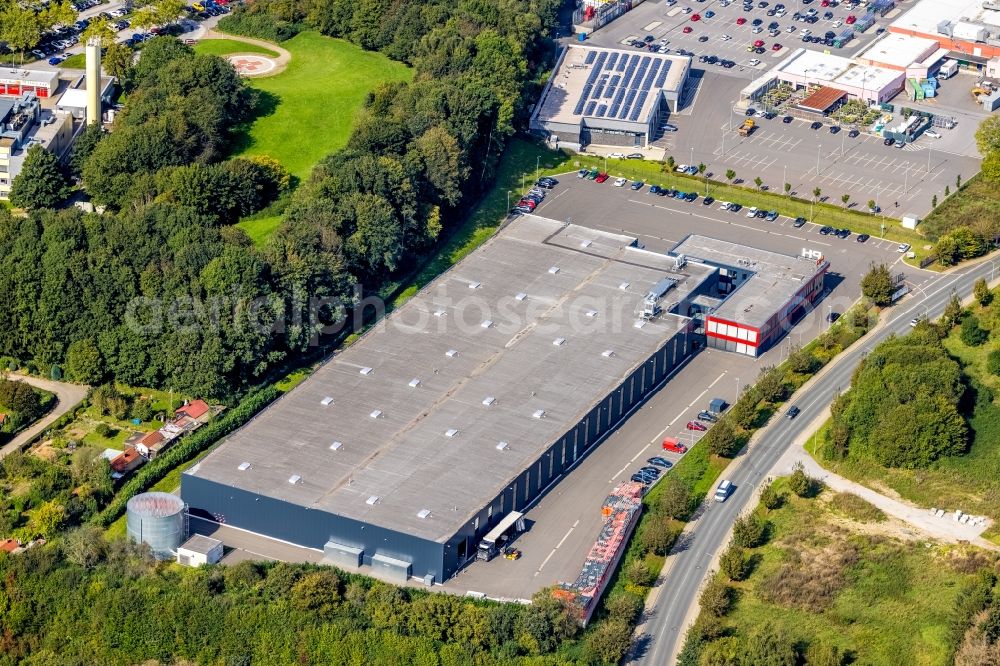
x=93, y=81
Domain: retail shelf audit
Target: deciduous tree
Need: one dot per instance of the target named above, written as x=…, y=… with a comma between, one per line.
x=41, y=182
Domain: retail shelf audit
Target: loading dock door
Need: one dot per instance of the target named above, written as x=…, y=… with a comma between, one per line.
x=397, y=570
x=338, y=553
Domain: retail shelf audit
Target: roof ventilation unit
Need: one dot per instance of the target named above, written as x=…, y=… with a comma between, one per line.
x=372, y=500
x=608, y=353
x=559, y=342
x=502, y=446
x=539, y=414
x=623, y=286
x=424, y=513
x=327, y=401
x=487, y=323
x=376, y=414
x=554, y=270
x=475, y=285
x=451, y=353
x=414, y=383
x=587, y=243
x=521, y=296
x=367, y=371
x=489, y=400
x=243, y=466
x=440, y=313
x=336, y=446
x=450, y=432
x=294, y=478
x=591, y=313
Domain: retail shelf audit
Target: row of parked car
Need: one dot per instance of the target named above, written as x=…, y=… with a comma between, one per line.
x=534, y=196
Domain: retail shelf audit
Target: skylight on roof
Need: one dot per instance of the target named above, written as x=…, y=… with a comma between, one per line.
x=623, y=286
x=487, y=323
x=440, y=313
x=336, y=446
x=554, y=270
x=372, y=500
x=294, y=478
x=539, y=414
x=376, y=414
x=559, y=342
x=639, y=323
x=450, y=432
x=489, y=400
x=424, y=513
x=502, y=446
x=367, y=371
x=414, y=383
x=608, y=353
x=475, y=285
x=591, y=313
x=327, y=401
x=243, y=466
x=587, y=243
x=521, y=296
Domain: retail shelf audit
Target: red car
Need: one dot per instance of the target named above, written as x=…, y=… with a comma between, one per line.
x=696, y=425
x=850, y=19
x=601, y=177
x=740, y=21
x=759, y=43
x=527, y=202
x=671, y=444
x=776, y=47
x=687, y=30
x=825, y=3
x=695, y=17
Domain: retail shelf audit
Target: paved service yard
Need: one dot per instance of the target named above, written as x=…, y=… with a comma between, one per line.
x=565, y=522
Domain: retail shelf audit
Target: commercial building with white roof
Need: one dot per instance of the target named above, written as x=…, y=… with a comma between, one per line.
x=968, y=30
x=609, y=96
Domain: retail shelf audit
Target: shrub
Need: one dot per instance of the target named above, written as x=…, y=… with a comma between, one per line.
x=749, y=531
x=993, y=362
x=657, y=535
x=771, y=498
x=610, y=640
x=801, y=483
x=675, y=501
x=734, y=563
x=624, y=605
x=638, y=573
x=971, y=333
x=856, y=508
x=716, y=598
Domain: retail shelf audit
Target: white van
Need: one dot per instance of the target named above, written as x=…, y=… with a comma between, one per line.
x=724, y=490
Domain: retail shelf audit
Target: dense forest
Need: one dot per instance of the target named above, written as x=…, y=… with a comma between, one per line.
x=160, y=290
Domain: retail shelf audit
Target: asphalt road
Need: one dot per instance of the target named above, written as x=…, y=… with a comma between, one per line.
x=68, y=396
x=662, y=635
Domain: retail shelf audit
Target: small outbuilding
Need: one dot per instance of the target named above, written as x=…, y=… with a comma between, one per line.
x=716, y=405
x=199, y=550
x=910, y=221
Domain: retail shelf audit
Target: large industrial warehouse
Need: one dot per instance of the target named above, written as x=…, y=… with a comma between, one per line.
x=467, y=402
x=609, y=96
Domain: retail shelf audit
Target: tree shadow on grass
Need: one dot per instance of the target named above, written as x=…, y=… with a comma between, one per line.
x=266, y=104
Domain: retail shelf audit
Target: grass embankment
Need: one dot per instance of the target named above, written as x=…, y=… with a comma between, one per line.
x=259, y=229
x=75, y=61
x=975, y=202
x=224, y=47
x=847, y=581
x=970, y=482
x=308, y=110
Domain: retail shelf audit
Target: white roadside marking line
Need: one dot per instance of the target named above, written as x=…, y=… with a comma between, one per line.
x=566, y=536
x=640, y=452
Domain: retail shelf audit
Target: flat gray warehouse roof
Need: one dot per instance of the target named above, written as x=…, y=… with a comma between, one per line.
x=777, y=277
x=514, y=344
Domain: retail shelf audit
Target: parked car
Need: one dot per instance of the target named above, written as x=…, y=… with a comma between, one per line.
x=799, y=222
x=761, y=214
x=853, y=133
x=639, y=478
x=863, y=237
x=834, y=129
x=649, y=469
x=601, y=177
x=707, y=416
x=735, y=208
x=673, y=445
x=932, y=134
x=660, y=462
x=582, y=173
x=634, y=156
x=620, y=182
x=691, y=196
x=593, y=174
x=903, y=247
x=654, y=189
x=708, y=201
x=687, y=30
x=815, y=125
x=752, y=211
x=696, y=425
x=772, y=215
x=636, y=185
x=547, y=182
x=826, y=231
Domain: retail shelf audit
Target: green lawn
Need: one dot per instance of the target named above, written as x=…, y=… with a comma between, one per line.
x=77, y=61
x=977, y=202
x=224, y=47
x=890, y=603
x=260, y=229
x=309, y=109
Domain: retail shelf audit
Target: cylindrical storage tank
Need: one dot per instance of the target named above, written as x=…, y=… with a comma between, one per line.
x=159, y=520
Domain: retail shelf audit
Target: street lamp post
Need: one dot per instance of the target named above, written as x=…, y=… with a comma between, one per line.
x=692, y=156
x=537, y=158
x=784, y=176
x=508, y=200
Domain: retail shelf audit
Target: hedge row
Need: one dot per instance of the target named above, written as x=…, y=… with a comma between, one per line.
x=189, y=447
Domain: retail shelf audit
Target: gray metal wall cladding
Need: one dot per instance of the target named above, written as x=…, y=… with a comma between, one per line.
x=313, y=528
x=307, y=527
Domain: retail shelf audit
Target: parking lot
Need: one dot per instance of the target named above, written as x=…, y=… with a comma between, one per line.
x=708, y=36
x=836, y=163
x=565, y=522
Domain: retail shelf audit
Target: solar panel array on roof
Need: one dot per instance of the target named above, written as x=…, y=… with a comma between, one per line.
x=651, y=75
x=590, y=57
x=595, y=72
x=600, y=86
x=589, y=111
x=662, y=78
x=601, y=110
x=638, y=106
x=612, y=60
x=610, y=90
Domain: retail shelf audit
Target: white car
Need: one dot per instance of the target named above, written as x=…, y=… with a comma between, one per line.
x=687, y=10
x=754, y=62
x=757, y=30
x=726, y=38
x=806, y=32
x=725, y=205
x=837, y=24
x=620, y=182
x=752, y=211
x=902, y=247
x=620, y=156
x=790, y=29
x=681, y=168
x=932, y=134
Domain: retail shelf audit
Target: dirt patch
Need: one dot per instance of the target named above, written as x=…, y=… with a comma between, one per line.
x=812, y=575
